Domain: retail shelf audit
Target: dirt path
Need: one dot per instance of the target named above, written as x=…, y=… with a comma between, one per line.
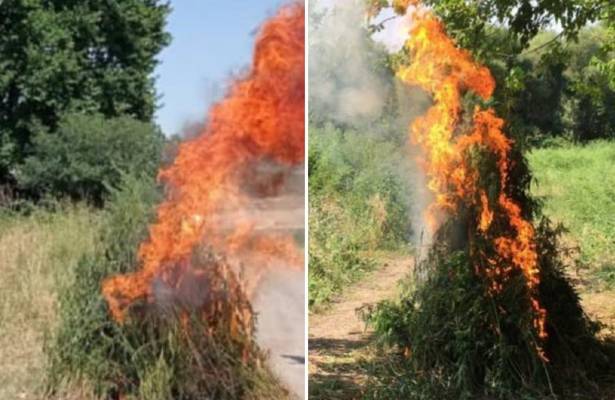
x=338, y=339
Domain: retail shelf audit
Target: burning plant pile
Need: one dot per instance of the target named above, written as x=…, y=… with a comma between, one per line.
x=495, y=314
x=211, y=183
x=185, y=297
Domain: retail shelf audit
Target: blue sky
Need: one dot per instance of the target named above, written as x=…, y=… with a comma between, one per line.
x=211, y=40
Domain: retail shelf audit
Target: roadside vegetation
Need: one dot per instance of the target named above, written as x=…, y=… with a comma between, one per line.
x=38, y=253
x=359, y=205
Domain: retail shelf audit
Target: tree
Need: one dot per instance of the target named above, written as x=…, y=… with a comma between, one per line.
x=548, y=83
x=468, y=21
x=591, y=98
x=88, y=155
x=607, y=63
x=59, y=56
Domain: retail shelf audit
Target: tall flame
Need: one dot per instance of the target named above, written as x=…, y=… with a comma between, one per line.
x=447, y=72
x=260, y=120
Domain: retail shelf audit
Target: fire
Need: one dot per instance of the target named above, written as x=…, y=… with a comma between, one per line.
x=208, y=185
x=448, y=73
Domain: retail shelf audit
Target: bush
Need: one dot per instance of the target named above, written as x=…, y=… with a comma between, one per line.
x=154, y=357
x=366, y=172
x=335, y=251
x=87, y=155
x=460, y=343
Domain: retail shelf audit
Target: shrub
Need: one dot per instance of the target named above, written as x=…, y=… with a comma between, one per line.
x=335, y=256
x=367, y=172
x=87, y=155
x=460, y=343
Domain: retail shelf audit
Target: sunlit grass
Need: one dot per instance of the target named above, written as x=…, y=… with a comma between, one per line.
x=577, y=186
x=36, y=252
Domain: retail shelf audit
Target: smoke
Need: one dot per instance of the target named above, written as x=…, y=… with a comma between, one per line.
x=395, y=29
x=273, y=206
x=279, y=305
x=350, y=84
x=344, y=84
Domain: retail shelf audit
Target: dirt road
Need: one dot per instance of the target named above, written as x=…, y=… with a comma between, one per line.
x=338, y=338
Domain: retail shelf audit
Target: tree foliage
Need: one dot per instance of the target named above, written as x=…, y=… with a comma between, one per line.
x=468, y=21
x=88, y=154
x=548, y=84
x=59, y=56
x=608, y=66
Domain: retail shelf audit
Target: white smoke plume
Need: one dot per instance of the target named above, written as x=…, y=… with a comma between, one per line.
x=279, y=304
x=348, y=86
x=343, y=82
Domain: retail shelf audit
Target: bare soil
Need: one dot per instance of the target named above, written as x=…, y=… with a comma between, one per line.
x=338, y=340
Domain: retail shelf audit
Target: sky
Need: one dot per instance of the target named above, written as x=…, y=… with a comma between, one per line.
x=212, y=39
x=395, y=29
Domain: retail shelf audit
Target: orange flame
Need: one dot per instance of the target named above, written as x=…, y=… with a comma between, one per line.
x=448, y=72
x=260, y=120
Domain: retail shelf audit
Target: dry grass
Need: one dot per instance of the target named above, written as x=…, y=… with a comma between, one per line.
x=36, y=251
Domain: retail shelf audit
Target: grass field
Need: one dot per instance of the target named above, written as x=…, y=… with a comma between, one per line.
x=577, y=185
x=37, y=252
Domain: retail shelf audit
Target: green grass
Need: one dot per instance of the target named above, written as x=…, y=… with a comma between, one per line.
x=577, y=185
x=37, y=253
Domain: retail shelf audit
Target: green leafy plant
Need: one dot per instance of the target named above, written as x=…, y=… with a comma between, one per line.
x=87, y=155
x=359, y=204
x=62, y=57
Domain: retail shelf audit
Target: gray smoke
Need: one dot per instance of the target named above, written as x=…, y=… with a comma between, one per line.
x=279, y=299
x=348, y=86
x=280, y=308
x=342, y=80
